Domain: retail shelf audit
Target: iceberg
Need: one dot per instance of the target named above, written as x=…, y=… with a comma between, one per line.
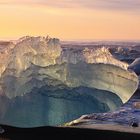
x=135, y=66
x=90, y=55
x=42, y=51
x=43, y=84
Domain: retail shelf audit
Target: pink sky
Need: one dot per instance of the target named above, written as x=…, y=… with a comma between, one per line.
x=71, y=19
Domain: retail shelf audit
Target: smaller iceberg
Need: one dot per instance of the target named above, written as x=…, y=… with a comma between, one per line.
x=135, y=66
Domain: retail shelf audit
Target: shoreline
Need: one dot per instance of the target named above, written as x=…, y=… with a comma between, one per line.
x=14, y=133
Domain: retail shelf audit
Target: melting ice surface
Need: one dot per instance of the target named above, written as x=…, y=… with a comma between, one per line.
x=41, y=85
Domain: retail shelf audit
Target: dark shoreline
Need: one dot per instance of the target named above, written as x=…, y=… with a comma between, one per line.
x=41, y=133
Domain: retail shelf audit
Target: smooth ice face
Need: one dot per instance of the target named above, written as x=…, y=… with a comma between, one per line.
x=104, y=76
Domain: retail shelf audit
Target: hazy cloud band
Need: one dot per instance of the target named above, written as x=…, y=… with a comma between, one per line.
x=103, y=4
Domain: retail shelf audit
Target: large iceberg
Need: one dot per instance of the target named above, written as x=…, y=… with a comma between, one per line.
x=41, y=80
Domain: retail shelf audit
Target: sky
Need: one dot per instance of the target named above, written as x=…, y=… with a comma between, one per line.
x=71, y=19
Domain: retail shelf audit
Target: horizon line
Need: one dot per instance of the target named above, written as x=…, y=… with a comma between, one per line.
x=72, y=40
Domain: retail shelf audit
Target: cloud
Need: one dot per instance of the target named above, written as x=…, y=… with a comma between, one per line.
x=93, y=4
x=104, y=4
x=117, y=4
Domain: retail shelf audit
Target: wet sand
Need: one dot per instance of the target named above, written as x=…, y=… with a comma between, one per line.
x=43, y=133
